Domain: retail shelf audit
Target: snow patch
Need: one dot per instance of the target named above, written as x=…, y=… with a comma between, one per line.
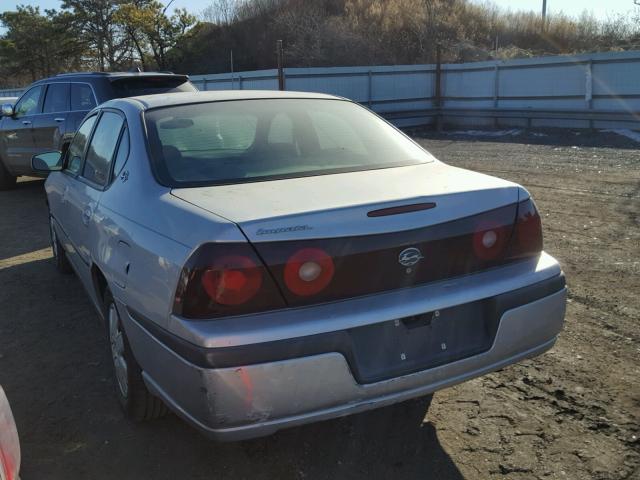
x=625, y=132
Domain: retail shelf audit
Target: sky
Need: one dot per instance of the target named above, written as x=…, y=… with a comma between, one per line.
x=600, y=8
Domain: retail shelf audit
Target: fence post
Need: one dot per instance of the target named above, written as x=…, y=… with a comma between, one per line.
x=438, y=95
x=588, y=91
x=369, y=91
x=239, y=82
x=496, y=92
x=279, y=55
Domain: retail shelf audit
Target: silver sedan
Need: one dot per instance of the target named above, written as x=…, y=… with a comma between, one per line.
x=265, y=259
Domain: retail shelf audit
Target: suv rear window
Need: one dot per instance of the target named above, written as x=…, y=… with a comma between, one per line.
x=250, y=140
x=133, y=87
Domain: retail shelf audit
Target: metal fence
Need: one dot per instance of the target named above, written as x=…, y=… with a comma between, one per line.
x=600, y=90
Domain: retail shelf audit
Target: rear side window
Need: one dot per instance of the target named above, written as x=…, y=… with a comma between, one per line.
x=57, y=98
x=82, y=97
x=102, y=147
x=133, y=87
x=78, y=144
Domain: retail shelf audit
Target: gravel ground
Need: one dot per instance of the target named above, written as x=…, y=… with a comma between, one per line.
x=573, y=413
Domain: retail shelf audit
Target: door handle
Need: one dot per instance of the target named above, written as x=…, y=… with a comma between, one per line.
x=59, y=119
x=26, y=122
x=86, y=215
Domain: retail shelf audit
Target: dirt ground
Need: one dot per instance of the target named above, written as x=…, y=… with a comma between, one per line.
x=573, y=413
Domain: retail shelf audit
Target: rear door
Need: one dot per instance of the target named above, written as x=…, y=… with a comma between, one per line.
x=18, y=131
x=91, y=183
x=50, y=127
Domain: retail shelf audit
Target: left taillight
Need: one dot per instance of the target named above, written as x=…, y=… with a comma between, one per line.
x=9, y=442
x=222, y=279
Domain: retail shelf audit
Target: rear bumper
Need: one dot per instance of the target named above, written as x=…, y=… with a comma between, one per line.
x=250, y=399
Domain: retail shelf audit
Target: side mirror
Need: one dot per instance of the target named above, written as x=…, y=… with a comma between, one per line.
x=7, y=110
x=47, y=162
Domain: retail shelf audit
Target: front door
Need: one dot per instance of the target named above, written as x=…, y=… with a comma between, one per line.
x=18, y=132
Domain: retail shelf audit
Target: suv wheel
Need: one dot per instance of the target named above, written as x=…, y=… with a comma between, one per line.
x=136, y=401
x=59, y=255
x=7, y=181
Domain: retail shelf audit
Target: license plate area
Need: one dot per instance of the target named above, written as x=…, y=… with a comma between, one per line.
x=411, y=344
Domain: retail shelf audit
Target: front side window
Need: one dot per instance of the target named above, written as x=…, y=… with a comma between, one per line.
x=78, y=144
x=250, y=140
x=28, y=104
x=102, y=147
x=57, y=98
x=82, y=97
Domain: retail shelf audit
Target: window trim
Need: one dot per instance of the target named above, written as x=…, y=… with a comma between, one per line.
x=80, y=176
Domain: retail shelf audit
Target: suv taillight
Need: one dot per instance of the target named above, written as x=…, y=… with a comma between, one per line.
x=222, y=279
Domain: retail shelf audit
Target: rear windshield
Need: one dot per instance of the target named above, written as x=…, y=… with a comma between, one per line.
x=134, y=87
x=252, y=140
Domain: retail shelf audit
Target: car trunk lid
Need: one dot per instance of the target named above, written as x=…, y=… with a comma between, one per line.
x=332, y=206
x=369, y=231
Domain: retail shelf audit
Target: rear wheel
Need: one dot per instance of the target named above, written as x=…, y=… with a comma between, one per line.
x=136, y=401
x=59, y=255
x=7, y=181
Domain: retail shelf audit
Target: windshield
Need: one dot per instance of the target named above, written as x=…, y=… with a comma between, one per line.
x=251, y=140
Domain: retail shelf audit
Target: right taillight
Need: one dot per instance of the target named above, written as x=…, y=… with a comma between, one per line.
x=222, y=279
x=527, y=234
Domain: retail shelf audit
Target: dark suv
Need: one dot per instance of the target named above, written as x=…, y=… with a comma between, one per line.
x=48, y=113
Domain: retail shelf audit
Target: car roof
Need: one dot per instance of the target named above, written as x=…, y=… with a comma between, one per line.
x=147, y=102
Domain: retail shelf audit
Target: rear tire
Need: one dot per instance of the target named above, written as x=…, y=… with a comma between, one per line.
x=59, y=255
x=7, y=181
x=136, y=401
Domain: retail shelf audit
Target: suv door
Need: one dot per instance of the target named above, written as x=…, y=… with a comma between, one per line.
x=50, y=127
x=89, y=185
x=17, y=134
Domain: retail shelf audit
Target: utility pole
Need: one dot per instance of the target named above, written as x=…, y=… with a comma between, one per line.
x=280, y=55
x=544, y=10
x=438, y=92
